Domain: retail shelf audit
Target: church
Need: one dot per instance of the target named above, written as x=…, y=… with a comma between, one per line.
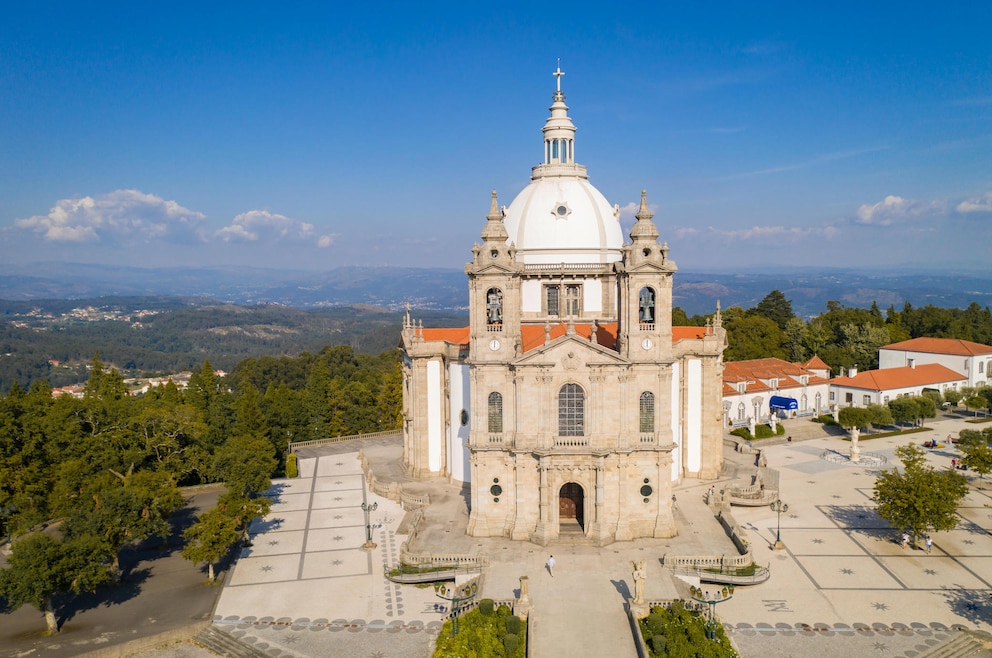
x=570, y=405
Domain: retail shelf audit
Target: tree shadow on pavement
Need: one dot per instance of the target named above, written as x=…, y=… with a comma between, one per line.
x=69, y=605
x=971, y=604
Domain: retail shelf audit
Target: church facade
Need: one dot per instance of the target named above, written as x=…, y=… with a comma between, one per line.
x=570, y=403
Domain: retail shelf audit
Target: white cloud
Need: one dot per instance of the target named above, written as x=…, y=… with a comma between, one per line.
x=896, y=210
x=977, y=204
x=256, y=225
x=121, y=216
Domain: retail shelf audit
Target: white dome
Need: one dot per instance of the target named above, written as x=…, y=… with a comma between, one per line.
x=563, y=219
x=560, y=217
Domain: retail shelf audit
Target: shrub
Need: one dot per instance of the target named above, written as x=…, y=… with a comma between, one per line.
x=510, y=642
x=825, y=419
x=658, y=644
x=486, y=607
x=292, y=470
x=763, y=432
x=504, y=611
x=743, y=433
x=513, y=625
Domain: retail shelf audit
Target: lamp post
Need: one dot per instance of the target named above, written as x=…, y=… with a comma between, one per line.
x=457, y=596
x=711, y=599
x=778, y=507
x=369, y=544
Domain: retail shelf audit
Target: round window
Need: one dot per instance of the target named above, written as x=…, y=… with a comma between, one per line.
x=464, y=418
x=496, y=490
x=562, y=211
x=646, y=490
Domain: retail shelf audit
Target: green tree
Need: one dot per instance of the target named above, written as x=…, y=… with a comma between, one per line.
x=245, y=464
x=851, y=417
x=880, y=415
x=919, y=498
x=953, y=396
x=776, y=308
x=905, y=409
x=41, y=567
x=975, y=402
x=978, y=457
x=123, y=508
x=753, y=337
x=211, y=537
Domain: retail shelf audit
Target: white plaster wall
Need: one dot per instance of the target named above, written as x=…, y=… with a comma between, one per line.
x=530, y=296
x=458, y=385
x=966, y=365
x=592, y=296
x=435, y=438
x=694, y=414
x=675, y=417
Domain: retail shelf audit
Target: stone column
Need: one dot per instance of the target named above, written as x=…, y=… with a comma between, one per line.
x=545, y=530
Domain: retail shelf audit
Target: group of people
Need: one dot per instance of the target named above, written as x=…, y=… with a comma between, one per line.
x=928, y=542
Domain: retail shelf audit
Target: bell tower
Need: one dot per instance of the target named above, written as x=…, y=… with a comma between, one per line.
x=645, y=284
x=494, y=293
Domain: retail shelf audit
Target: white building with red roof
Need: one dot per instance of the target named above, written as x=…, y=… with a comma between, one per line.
x=754, y=389
x=860, y=389
x=973, y=360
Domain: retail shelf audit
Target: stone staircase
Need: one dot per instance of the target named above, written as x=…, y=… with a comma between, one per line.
x=224, y=644
x=962, y=645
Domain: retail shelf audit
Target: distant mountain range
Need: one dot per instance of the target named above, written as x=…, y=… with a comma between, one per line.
x=447, y=289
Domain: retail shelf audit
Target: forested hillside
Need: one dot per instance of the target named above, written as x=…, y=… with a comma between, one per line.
x=140, y=336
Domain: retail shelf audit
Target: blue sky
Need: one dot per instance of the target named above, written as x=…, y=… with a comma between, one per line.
x=313, y=135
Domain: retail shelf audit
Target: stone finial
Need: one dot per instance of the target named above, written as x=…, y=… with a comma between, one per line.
x=643, y=212
x=717, y=317
x=494, y=212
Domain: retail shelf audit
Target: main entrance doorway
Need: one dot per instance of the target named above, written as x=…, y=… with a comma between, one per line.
x=571, y=507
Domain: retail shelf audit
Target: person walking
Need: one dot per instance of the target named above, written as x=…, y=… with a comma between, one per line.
x=929, y=544
x=905, y=539
x=551, y=565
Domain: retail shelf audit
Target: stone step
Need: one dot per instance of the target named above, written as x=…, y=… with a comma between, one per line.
x=962, y=645
x=224, y=644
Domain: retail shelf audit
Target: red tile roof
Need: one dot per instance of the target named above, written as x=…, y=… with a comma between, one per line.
x=941, y=346
x=756, y=372
x=532, y=335
x=816, y=363
x=904, y=377
x=456, y=335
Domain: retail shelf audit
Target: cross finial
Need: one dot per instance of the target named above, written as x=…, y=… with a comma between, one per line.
x=558, y=73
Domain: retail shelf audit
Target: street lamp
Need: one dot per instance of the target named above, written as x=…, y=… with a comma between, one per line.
x=368, y=524
x=778, y=507
x=711, y=599
x=456, y=595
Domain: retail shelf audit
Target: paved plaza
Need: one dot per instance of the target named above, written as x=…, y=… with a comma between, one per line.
x=841, y=586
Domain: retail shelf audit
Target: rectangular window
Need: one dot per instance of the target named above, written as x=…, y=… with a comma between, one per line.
x=866, y=399
x=551, y=295
x=849, y=397
x=831, y=396
x=573, y=300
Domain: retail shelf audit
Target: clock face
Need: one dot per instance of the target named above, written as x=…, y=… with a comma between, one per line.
x=494, y=344
x=646, y=343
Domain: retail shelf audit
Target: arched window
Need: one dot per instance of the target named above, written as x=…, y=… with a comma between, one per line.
x=802, y=403
x=740, y=411
x=645, y=301
x=571, y=410
x=647, y=412
x=495, y=413
x=494, y=306
x=818, y=402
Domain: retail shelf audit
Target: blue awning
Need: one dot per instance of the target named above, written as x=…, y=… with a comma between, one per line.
x=779, y=402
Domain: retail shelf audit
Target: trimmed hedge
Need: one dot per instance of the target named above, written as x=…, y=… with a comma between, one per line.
x=484, y=635
x=292, y=470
